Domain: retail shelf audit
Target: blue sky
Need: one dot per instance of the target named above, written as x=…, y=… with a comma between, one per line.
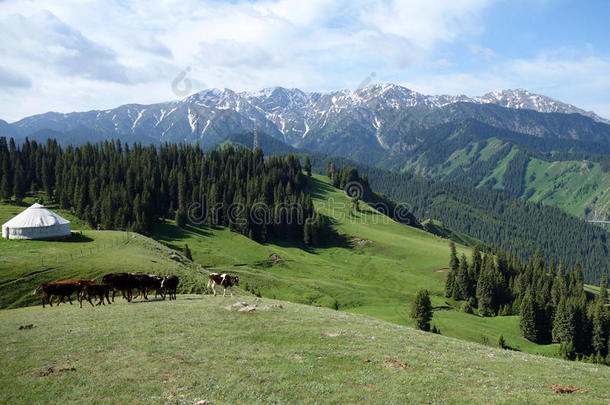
x=74, y=55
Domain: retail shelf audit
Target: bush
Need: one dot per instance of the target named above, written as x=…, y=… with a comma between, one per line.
x=466, y=307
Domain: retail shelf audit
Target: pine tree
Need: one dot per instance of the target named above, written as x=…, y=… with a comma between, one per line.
x=485, y=294
x=603, y=291
x=307, y=166
x=19, y=186
x=450, y=284
x=563, y=324
x=187, y=252
x=5, y=187
x=527, y=322
x=600, y=329
x=462, y=280
x=421, y=310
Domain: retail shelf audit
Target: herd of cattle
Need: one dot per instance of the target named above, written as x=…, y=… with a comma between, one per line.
x=125, y=283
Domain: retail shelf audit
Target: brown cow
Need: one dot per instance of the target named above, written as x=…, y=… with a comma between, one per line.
x=223, y=280
x=61, y=289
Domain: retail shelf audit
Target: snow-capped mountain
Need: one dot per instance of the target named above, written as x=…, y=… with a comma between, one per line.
x=523, y=99
x=373, y=118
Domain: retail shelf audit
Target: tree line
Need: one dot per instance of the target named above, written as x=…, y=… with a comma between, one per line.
x=116, y=186
x=549, y=298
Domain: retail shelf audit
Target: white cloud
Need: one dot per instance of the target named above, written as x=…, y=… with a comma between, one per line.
x=75, y=55
x=564, y=75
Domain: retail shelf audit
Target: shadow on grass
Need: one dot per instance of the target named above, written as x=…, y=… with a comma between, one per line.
x=319, y=189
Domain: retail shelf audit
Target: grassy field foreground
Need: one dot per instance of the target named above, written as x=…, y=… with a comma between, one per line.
x=194, y=349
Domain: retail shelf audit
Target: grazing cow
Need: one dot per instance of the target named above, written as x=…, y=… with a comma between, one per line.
x=169, y=285
x=95, y=290
x=123, y=282
x=79, y=281
x=60, y=290
x=148, y=282
x=223, y=280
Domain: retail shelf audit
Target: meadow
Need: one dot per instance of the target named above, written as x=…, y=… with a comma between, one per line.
x=193, y=349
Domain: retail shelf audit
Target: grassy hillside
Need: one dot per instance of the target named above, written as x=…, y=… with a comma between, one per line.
x=374, y=267
x=564, y=173
x=25, y=265
x=193, y=349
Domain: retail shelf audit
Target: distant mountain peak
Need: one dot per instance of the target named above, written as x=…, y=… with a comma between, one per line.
x=524, y=99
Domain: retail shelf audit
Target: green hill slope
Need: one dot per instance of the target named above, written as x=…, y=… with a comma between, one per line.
x=25, y=265
x=565, y=173
x=374, y=267
x=193, y=349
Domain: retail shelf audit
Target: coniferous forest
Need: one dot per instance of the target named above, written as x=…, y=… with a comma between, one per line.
x=493, y=217
x=548, y=297
x=116, y=186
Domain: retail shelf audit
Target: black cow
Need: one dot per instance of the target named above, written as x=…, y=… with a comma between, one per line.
x=123, y=282
x=148, y=282
x=169, y=285
x=95, y=290
x=223, y=280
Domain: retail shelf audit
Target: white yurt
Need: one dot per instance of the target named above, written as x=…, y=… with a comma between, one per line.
x=36, y=222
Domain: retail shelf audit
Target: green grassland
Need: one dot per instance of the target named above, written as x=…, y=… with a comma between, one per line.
x=193, y=349
x=25, y=264
x=579, y=187
x=373, y=267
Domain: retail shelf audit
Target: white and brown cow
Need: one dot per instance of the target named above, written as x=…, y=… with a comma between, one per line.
x=223, y=280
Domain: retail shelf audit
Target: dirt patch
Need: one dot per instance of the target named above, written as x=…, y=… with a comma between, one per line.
x=333, y=334
x=296, y=358
x=360, y=242
x=442, y=271
x=565, y=389
x=394, y=363
x=52, y=371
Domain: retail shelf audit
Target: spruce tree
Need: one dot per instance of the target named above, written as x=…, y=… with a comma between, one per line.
x=563, y=323
x=603, y=291
x=5, y=187
x=19, y=186
x=527, y=321
x=450, y=284
x=421, y=310
x=485, y=294
x=462, y=280
x=599, y=339
x=453, y=259
x=307, y=166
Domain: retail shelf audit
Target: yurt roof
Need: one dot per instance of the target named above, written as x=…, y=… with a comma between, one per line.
x=34, y=217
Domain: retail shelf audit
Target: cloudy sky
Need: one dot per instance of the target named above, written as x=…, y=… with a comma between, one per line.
x=80, y=55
